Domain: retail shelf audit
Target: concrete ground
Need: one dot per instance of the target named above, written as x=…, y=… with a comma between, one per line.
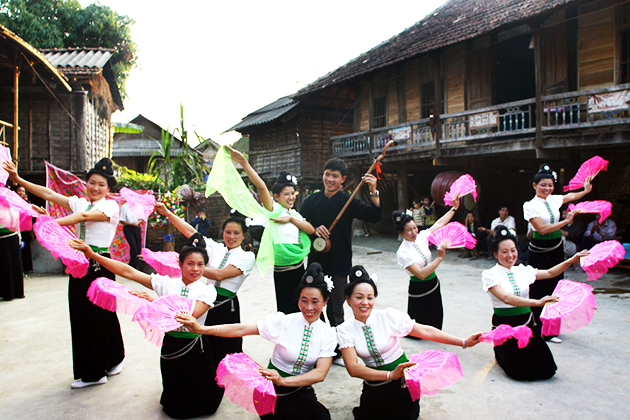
x=592, y=380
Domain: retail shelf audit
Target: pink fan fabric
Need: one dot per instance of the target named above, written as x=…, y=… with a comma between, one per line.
x=5, y=154
x=160, y=313
x=463, y=185
x=455, y=234
x=11, y=199
x=165, y=263
x=604, y=208
x=9, y=218
x=141, y=205
x=244, y=385
x=602, y=256
x=574, y=310
x=114, y=297
x=55, y=238
x=434, y=370
x=503, y=332
x=589, y=168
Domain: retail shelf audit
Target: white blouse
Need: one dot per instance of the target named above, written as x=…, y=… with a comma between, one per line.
x=237, y=257
x=383, y=328
x=126, y=215
x=516, y=284
x=408, y=254
x=288, y=232
x=509, y=223
x=536, y=208
x=298, y=344
x=100, y=234
x=165, y=285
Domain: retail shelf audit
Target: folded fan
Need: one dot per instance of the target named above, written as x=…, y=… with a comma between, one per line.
x=591, y=168
x=602, y=256
x=141, y=205
x=434, y=369
x=604, y=208
x=165, y=263
x=573, y=310
x=114, y=296
x=455, y=234
x=503, y=332
x=245, y=385
x=463, y=185
x=5, y=155
x=56, y=238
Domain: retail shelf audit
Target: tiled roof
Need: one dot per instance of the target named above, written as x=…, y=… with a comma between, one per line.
x=79, y=60
x=455, y=21
x=267, y=113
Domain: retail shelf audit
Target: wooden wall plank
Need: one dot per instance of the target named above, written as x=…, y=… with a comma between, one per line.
x=596, y=48
x=412, y=89
x=455, y=79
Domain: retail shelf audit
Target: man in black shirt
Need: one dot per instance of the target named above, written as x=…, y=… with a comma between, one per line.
x=321, y=209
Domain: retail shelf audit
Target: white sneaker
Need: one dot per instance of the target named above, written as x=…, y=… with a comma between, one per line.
x=556, y=340
x=116, y=369
x=80, y=384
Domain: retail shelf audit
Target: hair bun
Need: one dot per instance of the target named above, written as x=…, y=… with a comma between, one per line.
x=398, y=216
x=313, y=275
x=502, y=232
x=544, y=169
x=285, y=178
x=357, y=273
x=197, y=240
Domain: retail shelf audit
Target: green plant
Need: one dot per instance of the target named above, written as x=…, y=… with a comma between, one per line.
x=136, y=180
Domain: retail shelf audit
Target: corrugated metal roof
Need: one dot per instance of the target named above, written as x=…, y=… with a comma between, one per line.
x=79, y=57
x=267, y=113
x=141, y=147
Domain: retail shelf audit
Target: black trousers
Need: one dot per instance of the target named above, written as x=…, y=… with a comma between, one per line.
x=427, y=309
x=286, y=282
x=11, y=276
x=388, y=401
x=133, y=235
x=298, y=404
x=544, y=261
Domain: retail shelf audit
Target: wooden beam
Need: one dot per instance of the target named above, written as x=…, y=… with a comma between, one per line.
x=29, y=157
x=16, y=98
x=538, y=64
x=403, y=181
x=437, y=108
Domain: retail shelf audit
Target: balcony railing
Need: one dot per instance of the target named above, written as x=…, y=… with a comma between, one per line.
x=566, y=111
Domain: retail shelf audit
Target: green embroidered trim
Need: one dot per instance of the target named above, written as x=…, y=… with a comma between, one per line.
x=392, y=365
x=306, y=340
x=222, y=265
x=552, y=219
x=371, y=345
x=517, y=310
x=517, y=290
x=553, y=235
x=82, y=224
x=424, y=259
x=429, y=277
x=224, y=292
x=281, y=372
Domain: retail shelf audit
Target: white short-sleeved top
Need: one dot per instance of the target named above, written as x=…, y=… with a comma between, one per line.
x=238, y=257
x=288, y=232
x=165, y=285
x=536, y=208
x=126, y=215
x=292, y=333
x=509, y=223
x=385, y=326
x=100, y=234
x=523, y=276
x=407, y=253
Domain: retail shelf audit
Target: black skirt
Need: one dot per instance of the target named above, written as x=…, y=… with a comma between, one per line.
x=286, y=282
x=297, y=403
x=97, y=344
x=387, y=401
x=427, y=309
x=531, y=363
x=224, y=313
x=188, y=369
x=12, y=277
x=543, y=261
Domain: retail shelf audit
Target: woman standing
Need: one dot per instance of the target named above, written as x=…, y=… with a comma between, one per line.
x=509, y=287
x=304, y=348
x=12, y=278
x=97, y=346
x=425, y=300
x=546, y=247
x=185, y=366
x=373, y=335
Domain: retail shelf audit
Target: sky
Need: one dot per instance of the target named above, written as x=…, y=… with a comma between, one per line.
x=225, y=59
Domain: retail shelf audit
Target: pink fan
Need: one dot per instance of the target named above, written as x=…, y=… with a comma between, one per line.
x=463, y=185
x=589, y=168
x=5, y=154
x=160, y=314
x=141, y=205
x=604, y=208
x=55, y=238
x=455, y=234
x=500, y=335
x=9, y=218
x=244, y=385
x=114, y=297
x=434, y=370
x=574, y=310
x=165, y=263
x=602, y=256
x=11, y=198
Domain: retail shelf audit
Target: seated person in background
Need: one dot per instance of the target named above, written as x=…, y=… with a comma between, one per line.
x=201, y=224
x=473, y=229
x=429, y=212
x=504, y=219
x=572, y=233
x=596, y=232
x=417, y=212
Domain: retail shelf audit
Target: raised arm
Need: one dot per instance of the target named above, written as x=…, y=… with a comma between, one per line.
x=424, y=272
x=567, y=198
x=428, y=332
x=226, y=330
x=39, y=190
x=115, y=267
x=265, y=195
x=179, y=223
x=303, y=225
x=447, y=217
x=545, y=228
x=557, y=269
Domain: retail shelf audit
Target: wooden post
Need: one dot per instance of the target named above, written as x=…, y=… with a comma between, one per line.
x=437, y=110
x=29, y=156
x=16, y=98
x=370, y=115
x=539, y=86
x=402, y=181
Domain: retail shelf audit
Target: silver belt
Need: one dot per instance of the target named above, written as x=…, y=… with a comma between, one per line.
x=426, y=293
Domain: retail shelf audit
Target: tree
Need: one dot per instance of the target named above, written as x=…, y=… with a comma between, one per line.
x=64, y=24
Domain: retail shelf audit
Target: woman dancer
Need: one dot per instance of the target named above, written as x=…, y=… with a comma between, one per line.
x=304, y=348
x=425, y=300
x=227, y=269
x=509, y=287
x=97, y=346
x=289, y=233
x=373, y=335
x=12, y=279
x=185, y=366
x=546, y=247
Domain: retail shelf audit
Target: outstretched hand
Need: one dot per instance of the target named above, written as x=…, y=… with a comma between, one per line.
x=142, y=294
x=272, y=375
x=189, y=322
x=161, y=208
x=442, y=249
x=237, y=156
x=588, y=186
x=10, y=167
x=456, y=201
x=547, y=299
x=40, y=210
x=473, y=340
x=82, y=246
x=400, y=370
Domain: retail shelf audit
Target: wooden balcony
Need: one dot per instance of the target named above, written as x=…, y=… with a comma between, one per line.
x=568, y=120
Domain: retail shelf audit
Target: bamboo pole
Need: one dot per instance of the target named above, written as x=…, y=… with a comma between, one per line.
x=16, y=97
